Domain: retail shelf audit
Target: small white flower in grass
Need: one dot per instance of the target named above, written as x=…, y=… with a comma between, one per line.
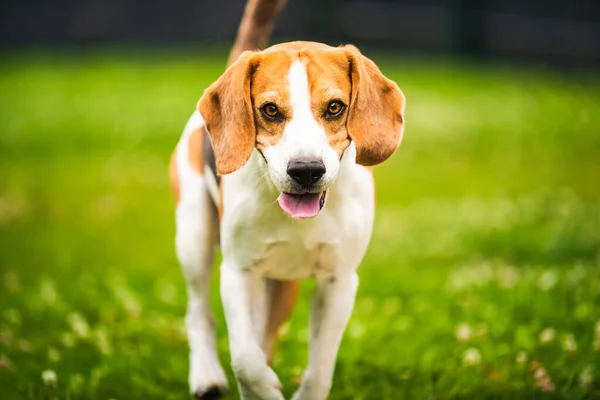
x=542, y=378
x=78, y=324
x=586, y=377
x=547, y=335
x=471, y=357
x=49, y=377
x=521, y=358
x=463, y=332
x=569, y=344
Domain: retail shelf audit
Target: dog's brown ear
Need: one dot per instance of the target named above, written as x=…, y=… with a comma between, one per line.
x=226, y=107
x=376, y=114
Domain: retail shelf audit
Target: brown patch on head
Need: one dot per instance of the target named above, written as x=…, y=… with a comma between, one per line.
x=270, y=86
x=328, y=79
x=327, y=71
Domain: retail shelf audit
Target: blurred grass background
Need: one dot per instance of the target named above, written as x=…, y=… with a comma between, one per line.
x=482, y=279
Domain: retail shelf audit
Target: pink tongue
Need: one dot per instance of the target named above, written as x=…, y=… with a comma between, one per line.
x=300, y=205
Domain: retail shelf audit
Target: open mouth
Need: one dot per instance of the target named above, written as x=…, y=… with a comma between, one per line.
x=305, y=205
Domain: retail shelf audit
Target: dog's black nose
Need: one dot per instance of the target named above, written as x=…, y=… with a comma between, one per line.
x=306, y=171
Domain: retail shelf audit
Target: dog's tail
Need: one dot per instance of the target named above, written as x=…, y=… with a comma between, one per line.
x=256, y=26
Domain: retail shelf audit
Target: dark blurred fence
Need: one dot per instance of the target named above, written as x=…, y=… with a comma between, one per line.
x=558, y=32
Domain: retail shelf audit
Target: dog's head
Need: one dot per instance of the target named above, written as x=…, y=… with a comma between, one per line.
x=301, y=105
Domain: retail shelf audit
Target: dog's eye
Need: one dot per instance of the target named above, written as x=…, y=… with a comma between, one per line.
x=335, y=109
x=270, y=110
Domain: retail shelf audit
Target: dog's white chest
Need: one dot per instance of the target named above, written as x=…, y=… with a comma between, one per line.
x=294, y=256
x=275, y=246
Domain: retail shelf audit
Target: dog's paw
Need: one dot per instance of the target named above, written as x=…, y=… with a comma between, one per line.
x=210, y=393
x=207, y=378
x=265, y=386
x=257, y=381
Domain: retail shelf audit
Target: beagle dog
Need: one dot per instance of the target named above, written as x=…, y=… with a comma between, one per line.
x=273, y=166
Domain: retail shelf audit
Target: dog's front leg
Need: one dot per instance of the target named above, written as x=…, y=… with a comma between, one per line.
x=243, y=295
x=331, y=308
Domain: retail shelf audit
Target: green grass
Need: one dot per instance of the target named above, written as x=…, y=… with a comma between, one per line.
x=483, y=273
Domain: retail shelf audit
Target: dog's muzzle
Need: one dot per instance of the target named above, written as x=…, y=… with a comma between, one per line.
x=305, y=202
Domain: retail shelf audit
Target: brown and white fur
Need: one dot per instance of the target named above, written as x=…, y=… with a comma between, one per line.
x=266, y=252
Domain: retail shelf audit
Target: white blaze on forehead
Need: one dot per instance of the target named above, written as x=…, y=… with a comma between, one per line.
x=299, y=88
x=303, y=134
x=303, y=128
